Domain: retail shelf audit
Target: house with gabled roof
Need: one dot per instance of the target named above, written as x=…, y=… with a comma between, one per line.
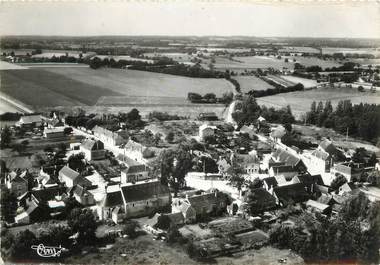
x=347, y=187
x=199, y=205
x=92, y=149
x=269, y=183
x=30, y=121
x=133, y=200
x=291, y=194
x=69, y=176
x=311, y=181
x=16, y=183
x=82, y=195
x=287, y=171
x=109, y=137
x=350, y=171
x=281, y=155
x=317, y=206
x=134, y=172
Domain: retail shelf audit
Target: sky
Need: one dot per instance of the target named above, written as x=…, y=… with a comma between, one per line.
x=223, y=18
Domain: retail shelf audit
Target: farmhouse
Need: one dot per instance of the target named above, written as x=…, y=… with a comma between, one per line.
x=30, y=121
x=197, y=206
x=68, y=176
x=134, y=171
x=349, y=171
x=287, y=171
x=133, y=200
x=109, y=137
x=16, y=183
x=318, y=206
x=290, y=194
x=54, y=132
x=93, y=150
x=135, y=150
x=82, y=195
x=283, y=156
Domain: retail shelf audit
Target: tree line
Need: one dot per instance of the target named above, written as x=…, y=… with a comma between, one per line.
x=359, y=120
x=276, y=90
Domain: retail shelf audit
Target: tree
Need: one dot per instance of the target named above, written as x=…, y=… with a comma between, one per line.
x=338, y=181
x=8, y=205
x=170, y=137
x=236, y=172
x=6, y=135
x=163, y=222
x=83, y=221
x=360, y=88
x=67, y=130
x=76, y=162
x=288, y=127
x=21, y=248
x=249, y=111
x=130, y=229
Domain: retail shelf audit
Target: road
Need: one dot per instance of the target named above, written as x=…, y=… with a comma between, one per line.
x=12, y=105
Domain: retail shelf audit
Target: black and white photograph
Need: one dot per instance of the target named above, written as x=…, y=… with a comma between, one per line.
x=175, y=132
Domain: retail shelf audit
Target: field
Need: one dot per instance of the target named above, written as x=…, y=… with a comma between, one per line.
x=177, y=56
x=145, y=84
x=310, y=61
x=300, y=101
x=37, y=87
x=248, y=83
x=307, y=83
x=330, y=50
x=110, y=90
x=10, y=66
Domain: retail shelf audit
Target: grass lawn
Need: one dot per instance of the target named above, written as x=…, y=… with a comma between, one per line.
x=248, y=83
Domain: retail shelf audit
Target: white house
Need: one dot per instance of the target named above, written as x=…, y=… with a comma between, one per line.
x=68, y=176
x=109, y=137
x=93, y=150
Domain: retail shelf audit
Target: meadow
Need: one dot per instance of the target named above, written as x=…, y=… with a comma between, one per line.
x=248, y=83
x=307, y=83
x=300, y=101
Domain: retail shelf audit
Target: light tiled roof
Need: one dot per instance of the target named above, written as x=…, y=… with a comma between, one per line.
x=68, y=172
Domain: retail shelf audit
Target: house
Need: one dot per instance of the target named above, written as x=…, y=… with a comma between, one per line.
x=93, y=150
x=287, y=171
x=269, y=183
x=68, y=176
x=207, y=116
x=310, y=181
x=16, y=183
x=328, y=147
x=135, y=150
x=54, y=133
x=109, y=137
x=320, y=161
x=250, y=163
x=347, y=188
x=197, y=206
x=317, y=206
x=82, y=195
x=30, y=121
x=290, y=194
x=350, y=171
x=259, y=200
x=133, y=200
x=206, y=130
x=134, y=171
x=32, y=213
x=284, y=156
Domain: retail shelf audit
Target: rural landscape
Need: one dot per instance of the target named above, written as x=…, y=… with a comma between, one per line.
x=207, y=148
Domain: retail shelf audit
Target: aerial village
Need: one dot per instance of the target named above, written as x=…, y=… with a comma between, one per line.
x=218, y=189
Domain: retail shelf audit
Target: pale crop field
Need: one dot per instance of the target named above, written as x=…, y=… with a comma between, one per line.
x=248, y=83
x=307, y=83
x=145, y=84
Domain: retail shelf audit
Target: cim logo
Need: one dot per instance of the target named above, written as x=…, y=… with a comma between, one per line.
x=47, y=251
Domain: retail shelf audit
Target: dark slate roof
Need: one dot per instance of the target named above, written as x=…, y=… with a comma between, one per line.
x=204, y=200
x=68, y=172
x=283, y=169
x=112, y=199
x=92, y=145
x=80, y=190
x=291, y=193
x=310, y=179
x=144, y=191
x=47, y=194
x=271, y=181
x=328, y=146
x=15, y=177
